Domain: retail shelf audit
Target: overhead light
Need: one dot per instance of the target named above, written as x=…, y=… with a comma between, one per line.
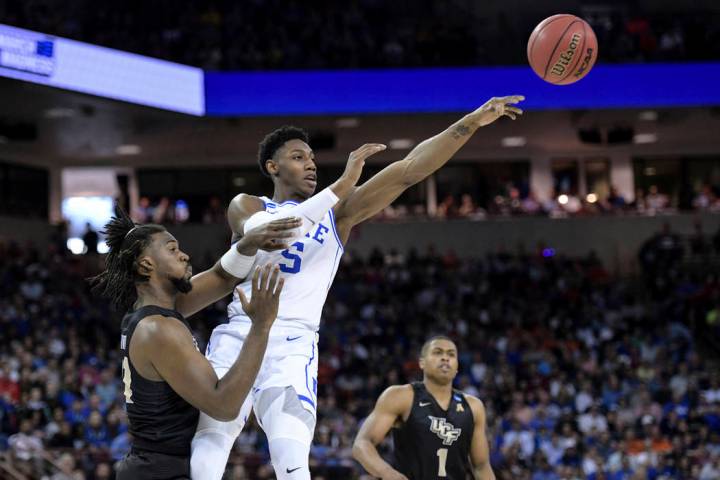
x=644, y=138
x=239, y=181
x=59, y=112
x=350, y=122
x=563, y=199
x=401, y=143
x=128, y=149
x=103, y=247
x=591, y=198
x=648, y=116
x=511, y=142
x=76, y=245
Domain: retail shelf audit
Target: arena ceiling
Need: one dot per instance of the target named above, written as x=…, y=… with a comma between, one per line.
x=51, y=127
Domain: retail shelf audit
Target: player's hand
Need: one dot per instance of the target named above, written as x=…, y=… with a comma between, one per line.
x=271, y=236
x=356, y=161
x=262, y=308
x=497, y=107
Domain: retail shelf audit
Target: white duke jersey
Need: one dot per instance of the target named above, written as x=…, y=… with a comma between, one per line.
x=308, y=266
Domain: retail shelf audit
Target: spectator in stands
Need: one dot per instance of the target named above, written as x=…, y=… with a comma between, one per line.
x=658, y=254
x=615, y=201
x=705, y=199
x=655, y=201
x=67, y=471
x=530, y=204
x=467, y=206
x=699, y=243
x=90, y=238
x=215, y=211
x=164, y=212
x=447, y=208
x=143, y=213
x=26, y=446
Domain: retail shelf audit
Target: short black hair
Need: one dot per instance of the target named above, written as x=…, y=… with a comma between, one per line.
x=126, y=241
x=276, y=139
x=426, y=345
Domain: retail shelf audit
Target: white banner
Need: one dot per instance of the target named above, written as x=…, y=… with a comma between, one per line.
x=81, y=67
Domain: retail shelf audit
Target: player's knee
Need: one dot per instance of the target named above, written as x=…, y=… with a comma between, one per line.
x=282, y=415
x=290, y=459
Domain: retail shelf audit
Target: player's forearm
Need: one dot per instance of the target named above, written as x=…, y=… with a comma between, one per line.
x=310, y=213
x=483, y=472
x=207, y=287
x=435, y=152
x=366, y=453
x=234, y=387
x=342, y=187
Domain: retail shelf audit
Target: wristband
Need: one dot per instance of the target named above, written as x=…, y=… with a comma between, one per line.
x=235, y=263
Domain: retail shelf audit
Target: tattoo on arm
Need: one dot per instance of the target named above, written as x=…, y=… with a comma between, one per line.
x=460, y=131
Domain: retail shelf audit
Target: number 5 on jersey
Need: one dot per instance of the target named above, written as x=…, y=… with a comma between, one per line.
x=295, y=261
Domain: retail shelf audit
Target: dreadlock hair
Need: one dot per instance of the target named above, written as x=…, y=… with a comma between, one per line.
x=126, y=241
x=276, y=139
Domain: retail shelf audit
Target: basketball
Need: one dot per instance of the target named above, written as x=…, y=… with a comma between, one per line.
x=562, y=49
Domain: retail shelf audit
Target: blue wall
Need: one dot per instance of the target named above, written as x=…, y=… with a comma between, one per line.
x=455, y=89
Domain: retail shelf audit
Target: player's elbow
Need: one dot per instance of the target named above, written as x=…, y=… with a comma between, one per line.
x=223, y=415
x=358, y=448
x=357, y=451
x=411, y=175
x=223, y=412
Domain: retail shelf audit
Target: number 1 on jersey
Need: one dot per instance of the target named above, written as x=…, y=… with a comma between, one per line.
x=126, y=380
x=442, y=460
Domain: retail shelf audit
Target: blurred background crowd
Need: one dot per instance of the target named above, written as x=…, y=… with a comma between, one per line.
x=584, y=374
x=274, y=34
x=510, y=200
x=596, y=355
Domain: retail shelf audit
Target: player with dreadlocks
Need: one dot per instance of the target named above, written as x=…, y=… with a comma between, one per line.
x=167, y=380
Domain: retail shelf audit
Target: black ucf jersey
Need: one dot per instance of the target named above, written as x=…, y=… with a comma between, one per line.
x=434, y=443
x=159, y=419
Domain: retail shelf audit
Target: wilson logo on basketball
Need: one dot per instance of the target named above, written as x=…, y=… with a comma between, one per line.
x=566, y=56
x=585, y=62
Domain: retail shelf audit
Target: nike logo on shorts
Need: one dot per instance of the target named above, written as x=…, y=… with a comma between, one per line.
x=287, y=470
x=424, y=404
x=290, y=339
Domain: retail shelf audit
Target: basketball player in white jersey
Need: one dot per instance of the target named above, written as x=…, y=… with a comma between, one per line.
x=284, y=394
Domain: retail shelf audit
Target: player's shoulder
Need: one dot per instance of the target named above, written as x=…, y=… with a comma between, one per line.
x=397, y=396
x=242, y=207
x=476, y=405
x=473, y=401
x=160, y=329
x=246, y=203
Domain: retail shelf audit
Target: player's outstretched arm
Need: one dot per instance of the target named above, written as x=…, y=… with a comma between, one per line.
x=395, y=403
x=169, y=347
x=479, y=450
x=211, y=285
x=382, y=189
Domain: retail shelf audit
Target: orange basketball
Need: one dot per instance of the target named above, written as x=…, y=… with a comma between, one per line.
x=562, y=49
